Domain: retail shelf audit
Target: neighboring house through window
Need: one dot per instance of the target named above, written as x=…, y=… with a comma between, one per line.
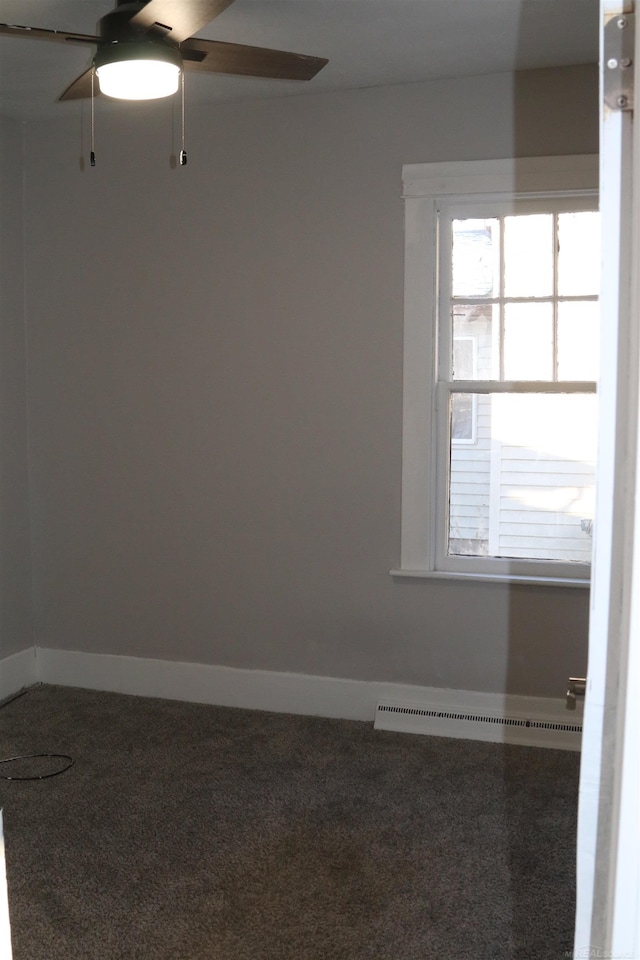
x=501, y=364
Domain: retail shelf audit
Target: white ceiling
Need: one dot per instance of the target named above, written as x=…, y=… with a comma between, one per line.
x=368, y=43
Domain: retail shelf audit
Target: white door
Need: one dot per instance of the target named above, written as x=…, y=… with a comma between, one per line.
x=608, y=890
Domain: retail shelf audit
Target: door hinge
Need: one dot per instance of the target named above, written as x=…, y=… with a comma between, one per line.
x=619, y=56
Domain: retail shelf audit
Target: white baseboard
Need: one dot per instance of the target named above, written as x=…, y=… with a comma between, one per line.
x=16, y=672
x=272, y=691
x=219, y=685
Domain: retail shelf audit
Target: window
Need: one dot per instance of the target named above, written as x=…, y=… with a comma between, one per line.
x=501, y=361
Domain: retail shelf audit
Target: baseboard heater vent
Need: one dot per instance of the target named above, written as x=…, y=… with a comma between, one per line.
x=469, y=725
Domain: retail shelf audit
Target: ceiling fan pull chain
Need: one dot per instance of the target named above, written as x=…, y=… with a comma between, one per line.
x=93, y=120
x=183, y=152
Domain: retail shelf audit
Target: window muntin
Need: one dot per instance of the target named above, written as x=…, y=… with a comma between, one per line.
x=522, y=495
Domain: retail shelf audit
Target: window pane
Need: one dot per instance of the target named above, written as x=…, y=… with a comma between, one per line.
x=463, y=418
x=464, y=360
x=476, y=323
x=579, y=254
x=525, y=489
x=528, y=341
x=528, y=256
x=475, y=258
x=578, y=340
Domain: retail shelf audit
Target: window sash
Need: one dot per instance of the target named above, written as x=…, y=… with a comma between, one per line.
x=446, y=213
x=505, y=566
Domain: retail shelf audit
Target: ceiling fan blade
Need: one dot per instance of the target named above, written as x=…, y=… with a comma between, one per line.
x=216, y=56
x=179, y=19
x=80, y=89
x=34, y=33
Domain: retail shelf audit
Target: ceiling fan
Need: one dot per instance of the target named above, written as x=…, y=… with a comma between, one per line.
x=143, y=47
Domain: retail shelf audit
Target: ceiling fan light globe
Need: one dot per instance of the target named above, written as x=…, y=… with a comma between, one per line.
x=134, y=70
x=138, y=79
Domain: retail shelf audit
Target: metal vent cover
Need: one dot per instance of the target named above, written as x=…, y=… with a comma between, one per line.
x=477, y=725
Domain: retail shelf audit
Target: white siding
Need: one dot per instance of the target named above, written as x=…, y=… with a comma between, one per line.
x=543, y=501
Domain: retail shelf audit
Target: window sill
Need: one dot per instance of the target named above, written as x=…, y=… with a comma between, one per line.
x=492, y=578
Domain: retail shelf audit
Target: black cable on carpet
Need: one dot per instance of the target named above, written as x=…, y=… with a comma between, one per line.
x=38, y=756
x=35, y=756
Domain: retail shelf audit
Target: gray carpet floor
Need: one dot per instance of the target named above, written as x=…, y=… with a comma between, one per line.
x=190, y=832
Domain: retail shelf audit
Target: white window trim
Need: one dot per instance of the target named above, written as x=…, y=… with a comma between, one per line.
x=425, y=187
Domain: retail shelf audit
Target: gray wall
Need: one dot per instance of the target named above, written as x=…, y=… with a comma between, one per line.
x=16, y=628
x=216, y=384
